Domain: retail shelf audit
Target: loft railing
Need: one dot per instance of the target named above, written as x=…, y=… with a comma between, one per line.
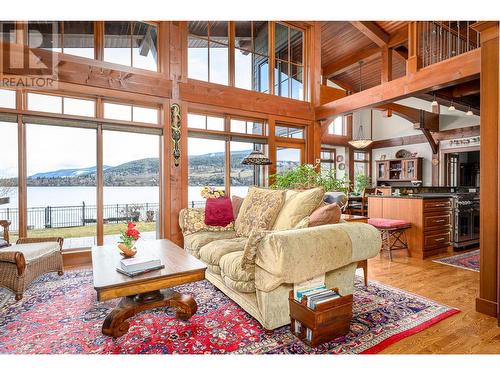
x=442, y=40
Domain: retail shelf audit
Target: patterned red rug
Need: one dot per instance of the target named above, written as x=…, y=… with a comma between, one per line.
x=467, y=261
x=61, y=315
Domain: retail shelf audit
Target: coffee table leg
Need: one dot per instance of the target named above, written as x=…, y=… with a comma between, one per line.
x=116, y=325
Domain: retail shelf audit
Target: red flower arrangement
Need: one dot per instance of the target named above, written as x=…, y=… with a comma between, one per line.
x=129, y=236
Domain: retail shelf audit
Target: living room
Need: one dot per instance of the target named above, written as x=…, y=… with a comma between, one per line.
x=170, y=185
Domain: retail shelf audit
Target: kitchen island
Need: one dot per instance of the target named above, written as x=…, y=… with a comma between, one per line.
x=429, y=215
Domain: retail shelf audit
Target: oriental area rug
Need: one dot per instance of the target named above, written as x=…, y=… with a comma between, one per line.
x=61, y=315
x=467, y=261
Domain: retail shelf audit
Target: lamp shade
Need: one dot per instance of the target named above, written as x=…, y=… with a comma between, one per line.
x=256, y=157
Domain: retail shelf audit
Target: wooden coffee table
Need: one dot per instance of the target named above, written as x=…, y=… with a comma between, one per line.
x=143, y=292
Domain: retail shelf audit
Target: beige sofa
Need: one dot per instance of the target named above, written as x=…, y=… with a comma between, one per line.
x=283, y=257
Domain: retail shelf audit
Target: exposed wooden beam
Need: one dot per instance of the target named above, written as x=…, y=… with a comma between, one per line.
x=372, y=31
x=469, y=131
x=398, y=37
x=461, y=68
x=195, y=91
x=465, y=89
x=425, y=121
x=340, y=66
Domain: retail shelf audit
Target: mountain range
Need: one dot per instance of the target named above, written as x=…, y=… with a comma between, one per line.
x=206, y=169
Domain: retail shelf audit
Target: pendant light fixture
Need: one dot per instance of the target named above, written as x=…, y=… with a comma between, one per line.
x=469, y=112
x=361, y=141
x=451, y=107
x=434, y=104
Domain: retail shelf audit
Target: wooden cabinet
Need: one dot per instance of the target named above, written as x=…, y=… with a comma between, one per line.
x=430, y=219
x=397, y=170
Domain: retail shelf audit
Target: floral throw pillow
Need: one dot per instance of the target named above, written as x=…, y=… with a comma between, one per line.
x=259, y=210
x=194, y=221
x=250, y=251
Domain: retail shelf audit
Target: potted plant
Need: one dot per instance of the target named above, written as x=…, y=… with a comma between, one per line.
x=361, y=182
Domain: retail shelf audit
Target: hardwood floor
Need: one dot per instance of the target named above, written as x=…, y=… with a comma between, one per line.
x=466, y=332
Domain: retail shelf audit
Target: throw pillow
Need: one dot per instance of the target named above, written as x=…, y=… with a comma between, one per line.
x=258, y=210
x=304, y=223
x=325, y=214
x=298, y=205
x=194, y=221
x=236, y=202
x=3, y=243
x=218, y=212
x=251, y=246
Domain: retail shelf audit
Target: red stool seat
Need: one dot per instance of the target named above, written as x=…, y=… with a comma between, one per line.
x=381, y=223
x=392, y=232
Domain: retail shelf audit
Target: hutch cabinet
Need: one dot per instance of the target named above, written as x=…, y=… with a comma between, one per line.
x=399, y=170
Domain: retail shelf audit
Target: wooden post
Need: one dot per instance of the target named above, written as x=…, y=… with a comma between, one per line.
x=386, y=64
x=487, y=302
x=175, y=178
x=413, y=62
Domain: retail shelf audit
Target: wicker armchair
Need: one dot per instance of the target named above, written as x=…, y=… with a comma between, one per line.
x=20, y=265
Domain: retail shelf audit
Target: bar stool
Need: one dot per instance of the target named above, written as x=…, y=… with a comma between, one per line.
x=393, y=233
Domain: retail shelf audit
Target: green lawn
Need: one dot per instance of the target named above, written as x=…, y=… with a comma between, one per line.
x=86, y=231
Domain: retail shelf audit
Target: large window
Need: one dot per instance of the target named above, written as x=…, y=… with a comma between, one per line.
x=286, y=131
x=131, y=163
x=289, y=62
x=60, y=104
x=361, y=168
x=127, y=112
x=244, y=176
x=71, y=37
x=7, y=99
x=287, y=158
x=251, y=55
x=131, y=43
x=8, y=176
x=328, y=158
x=206, y=165
x=337, y=126
x=208, y=51
x=61, y=190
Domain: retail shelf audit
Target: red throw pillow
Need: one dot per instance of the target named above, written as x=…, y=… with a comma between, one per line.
x=219, y=212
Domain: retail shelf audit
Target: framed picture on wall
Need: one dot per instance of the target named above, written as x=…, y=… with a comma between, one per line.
x=341, y=166
x=340, y=158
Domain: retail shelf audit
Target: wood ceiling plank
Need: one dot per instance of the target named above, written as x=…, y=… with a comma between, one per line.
x=340, y=66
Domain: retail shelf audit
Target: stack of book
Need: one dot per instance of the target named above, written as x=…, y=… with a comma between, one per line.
x=316, y=293
x=139, y=265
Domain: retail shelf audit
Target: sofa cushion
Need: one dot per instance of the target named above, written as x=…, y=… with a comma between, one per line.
x=32, y=251
x=259, y=210
x=236, y=203
x=219, y=212
x=234, y=276
x=298, y=205
x=212, y=252
x=193, y=221
x=325, y=214
x=3, y=243
x=194, y=242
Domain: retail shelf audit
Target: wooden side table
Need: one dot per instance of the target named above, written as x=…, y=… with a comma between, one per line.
x=362, y=263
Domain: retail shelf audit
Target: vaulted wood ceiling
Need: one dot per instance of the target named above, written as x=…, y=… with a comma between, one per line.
x=345, y=43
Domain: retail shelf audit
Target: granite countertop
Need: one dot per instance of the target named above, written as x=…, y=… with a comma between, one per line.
x=416, y=196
